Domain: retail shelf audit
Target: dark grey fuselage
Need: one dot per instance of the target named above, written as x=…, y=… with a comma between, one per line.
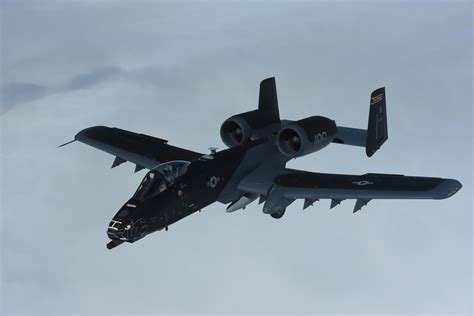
x=209, y=179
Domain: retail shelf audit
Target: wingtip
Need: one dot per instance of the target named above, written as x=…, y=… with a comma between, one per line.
x=446, y=188
x=86, y=131
x=451, y=187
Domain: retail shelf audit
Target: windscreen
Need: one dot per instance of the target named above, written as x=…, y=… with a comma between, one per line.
x=160, y=178
x=145, y=185
x=172, y=170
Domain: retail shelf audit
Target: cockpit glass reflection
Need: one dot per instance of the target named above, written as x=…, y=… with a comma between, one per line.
x=160, y=178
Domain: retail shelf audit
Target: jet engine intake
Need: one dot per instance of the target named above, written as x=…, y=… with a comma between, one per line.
x=235, y=130
x=305, y=136
x=240, y=128
x=290, y=141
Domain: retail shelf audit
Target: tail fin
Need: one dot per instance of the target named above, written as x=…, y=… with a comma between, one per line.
x=377, y=132
x=267, y=100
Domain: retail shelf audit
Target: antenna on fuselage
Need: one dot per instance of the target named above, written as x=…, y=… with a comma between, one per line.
x=210, y=156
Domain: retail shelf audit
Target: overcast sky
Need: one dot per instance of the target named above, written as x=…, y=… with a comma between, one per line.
x=176, y=71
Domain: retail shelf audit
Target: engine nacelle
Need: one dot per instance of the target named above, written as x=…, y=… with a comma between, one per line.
x=306, y=136
x=240, y=128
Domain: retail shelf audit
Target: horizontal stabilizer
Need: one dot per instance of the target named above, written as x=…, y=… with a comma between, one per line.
x=377, y=132
x=350, y=136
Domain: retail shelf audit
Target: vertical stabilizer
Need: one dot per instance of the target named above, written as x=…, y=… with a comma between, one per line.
x=268, y=101
x=377, y=132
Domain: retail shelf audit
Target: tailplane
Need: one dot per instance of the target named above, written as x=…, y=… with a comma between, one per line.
x=375, y=134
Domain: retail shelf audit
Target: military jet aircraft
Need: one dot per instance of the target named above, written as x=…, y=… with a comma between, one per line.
x=181, y=182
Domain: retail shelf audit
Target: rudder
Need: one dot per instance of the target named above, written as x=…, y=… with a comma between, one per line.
x=377, y=132
x=268, y=101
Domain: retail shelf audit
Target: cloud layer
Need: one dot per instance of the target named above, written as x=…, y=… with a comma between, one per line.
x=177, y=71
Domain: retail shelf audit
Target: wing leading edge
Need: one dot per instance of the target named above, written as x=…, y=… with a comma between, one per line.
x=143, y=150
x=294, y=184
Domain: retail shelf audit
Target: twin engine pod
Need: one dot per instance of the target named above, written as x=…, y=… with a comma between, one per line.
x=305, y=136
x=295, y=139
x=235, y=130
x=249, y=125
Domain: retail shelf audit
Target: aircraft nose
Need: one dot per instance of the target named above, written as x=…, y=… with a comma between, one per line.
x=118, y=223
x=127, y=230
x=115, y=229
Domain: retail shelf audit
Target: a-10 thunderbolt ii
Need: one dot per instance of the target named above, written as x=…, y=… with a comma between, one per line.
x=181, y=182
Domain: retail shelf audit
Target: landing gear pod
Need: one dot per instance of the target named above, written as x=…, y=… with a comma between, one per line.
x=278, y=214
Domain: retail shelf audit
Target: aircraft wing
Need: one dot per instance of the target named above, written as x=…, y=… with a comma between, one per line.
x=289, y=185
x=143, y=150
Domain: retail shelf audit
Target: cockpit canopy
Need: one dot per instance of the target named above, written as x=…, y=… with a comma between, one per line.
x=160, y=178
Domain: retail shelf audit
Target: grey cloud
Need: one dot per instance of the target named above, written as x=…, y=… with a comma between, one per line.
x=21, y=92
x=177, y=71
x=15, y=93
x=90, y=79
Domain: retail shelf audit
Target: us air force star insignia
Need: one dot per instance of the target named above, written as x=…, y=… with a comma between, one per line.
x=362, y=182
x=212, y=183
